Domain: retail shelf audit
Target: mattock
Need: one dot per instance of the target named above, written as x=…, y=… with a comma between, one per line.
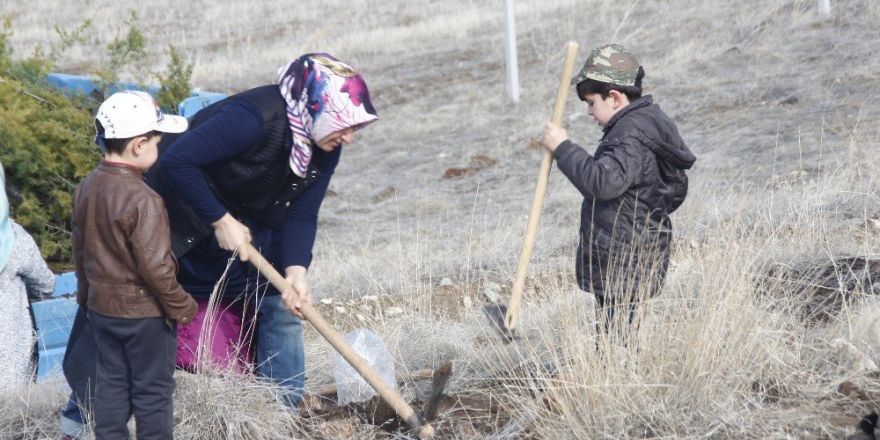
x=421, y=429
x=503, y=318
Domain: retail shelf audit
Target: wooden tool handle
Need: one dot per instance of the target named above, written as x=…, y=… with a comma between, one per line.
x=525, y=255
x=335, y=339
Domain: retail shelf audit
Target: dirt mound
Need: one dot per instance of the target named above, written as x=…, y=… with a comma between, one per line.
x=459, y=416
x=822, y=289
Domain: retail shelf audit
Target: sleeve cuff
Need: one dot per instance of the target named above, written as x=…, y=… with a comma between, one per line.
x=213, y=217
x=563, y=149
x=304, y=261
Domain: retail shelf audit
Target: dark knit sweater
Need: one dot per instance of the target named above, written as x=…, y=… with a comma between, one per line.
x=230, y=132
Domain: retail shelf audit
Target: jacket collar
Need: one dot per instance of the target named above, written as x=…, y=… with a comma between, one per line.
x=644, y=101
x=120, y=168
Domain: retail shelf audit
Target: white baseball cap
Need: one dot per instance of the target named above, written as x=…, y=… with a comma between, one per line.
x=132, y=113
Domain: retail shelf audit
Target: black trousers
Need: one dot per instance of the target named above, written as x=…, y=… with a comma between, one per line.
x=608, y=308
x=135, y=376
x=79, y=367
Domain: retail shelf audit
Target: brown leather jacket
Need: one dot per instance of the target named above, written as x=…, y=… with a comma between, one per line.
x=122, y=248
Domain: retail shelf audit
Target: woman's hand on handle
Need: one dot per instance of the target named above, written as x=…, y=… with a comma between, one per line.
x=232, y=234
x=301, y=294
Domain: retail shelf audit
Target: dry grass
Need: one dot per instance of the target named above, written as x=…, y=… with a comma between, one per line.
x=779, y=106
x=32, y=412
x=715, y=357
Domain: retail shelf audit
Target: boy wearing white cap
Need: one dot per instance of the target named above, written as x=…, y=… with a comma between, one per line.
x=125, y=271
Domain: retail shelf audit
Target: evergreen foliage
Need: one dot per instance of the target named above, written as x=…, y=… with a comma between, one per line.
x=45, y=148
x=175, y=81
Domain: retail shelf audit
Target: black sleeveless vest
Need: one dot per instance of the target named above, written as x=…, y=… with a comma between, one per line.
x=255, y=186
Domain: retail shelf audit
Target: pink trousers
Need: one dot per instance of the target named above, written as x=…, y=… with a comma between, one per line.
x=225, y=340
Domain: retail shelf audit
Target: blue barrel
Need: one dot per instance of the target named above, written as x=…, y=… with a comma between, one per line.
x=198, y=101
x=54, y=318
x=81, y=84
x=72, y=84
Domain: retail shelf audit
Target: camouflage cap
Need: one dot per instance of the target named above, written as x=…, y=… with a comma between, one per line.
x=611, y=63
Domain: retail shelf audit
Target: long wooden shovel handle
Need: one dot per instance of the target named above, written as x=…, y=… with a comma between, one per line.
x=314, y=317
x=525, y=255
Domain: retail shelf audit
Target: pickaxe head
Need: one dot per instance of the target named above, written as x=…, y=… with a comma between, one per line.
x=497, y=315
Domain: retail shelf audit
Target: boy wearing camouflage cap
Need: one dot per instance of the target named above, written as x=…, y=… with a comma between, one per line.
x=631, y=184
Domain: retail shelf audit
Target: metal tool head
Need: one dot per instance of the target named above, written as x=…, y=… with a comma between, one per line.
x=497, y=316
x=441, y=376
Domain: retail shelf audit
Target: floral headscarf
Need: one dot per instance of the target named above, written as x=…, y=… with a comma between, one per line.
x=323, y=95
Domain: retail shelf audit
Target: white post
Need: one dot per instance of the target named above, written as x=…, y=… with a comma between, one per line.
x=825, y=8
x=510, y=43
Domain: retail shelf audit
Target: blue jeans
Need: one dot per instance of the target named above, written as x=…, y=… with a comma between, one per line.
x=280, y=354
x=71, y=419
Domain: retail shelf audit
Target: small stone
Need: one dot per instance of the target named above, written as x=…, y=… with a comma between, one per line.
x=326, y=301
x=446, y=281
x=493, y=286
x=467, y=302
x=491, y=295
x=790, y=100
x=370, y=298
x=386, y=194
x=360, y=317
x=393, y=311
x=340, y=310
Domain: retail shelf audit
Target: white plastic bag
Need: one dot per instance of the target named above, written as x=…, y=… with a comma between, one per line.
x=350, y=386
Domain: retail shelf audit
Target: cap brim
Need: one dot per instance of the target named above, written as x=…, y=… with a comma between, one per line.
x=172, y=124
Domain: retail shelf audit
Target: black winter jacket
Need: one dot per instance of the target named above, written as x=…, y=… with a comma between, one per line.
x=630, y=186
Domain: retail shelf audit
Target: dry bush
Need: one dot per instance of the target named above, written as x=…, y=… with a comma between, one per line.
x=230, y=406
x=32, y=413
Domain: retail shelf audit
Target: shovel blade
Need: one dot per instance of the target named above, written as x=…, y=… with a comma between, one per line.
x=497, y=314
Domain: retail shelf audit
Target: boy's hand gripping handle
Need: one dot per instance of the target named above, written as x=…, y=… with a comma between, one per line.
x=525, y=255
